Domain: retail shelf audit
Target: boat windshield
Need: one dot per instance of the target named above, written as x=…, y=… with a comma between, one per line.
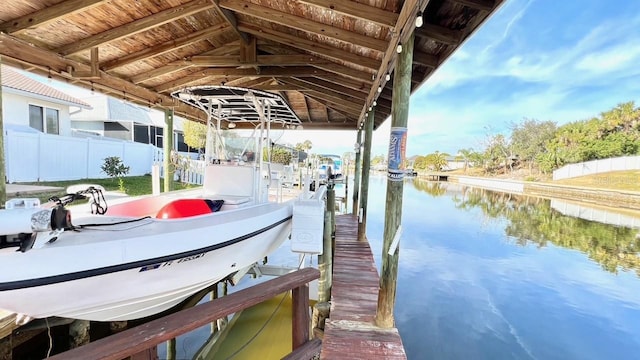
x=235, y=148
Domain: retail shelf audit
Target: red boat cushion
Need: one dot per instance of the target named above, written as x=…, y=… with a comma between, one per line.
x=188, y=207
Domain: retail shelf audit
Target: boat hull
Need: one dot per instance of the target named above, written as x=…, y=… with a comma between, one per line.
x=153, y=266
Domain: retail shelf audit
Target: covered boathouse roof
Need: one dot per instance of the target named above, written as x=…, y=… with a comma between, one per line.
x=328, y=59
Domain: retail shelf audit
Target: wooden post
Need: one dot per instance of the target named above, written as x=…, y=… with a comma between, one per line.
x=168, y=147
x=356, y=178
x=331, y=206
x=3, y=174
x=325, y=262
x=300, y=325
x=395, y=185
x=171, y=349
x=366, y=163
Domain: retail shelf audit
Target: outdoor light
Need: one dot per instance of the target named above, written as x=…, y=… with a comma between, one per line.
x=356, y=147
x=388, y=77
x=419, y=19
x=379, y=89
x=399, y=48
x=374, y=103
x=231, y=125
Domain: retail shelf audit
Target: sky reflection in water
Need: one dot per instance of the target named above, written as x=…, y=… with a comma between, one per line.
x=467, y=290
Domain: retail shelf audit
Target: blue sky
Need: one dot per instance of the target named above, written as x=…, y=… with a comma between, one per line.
x=541, y=59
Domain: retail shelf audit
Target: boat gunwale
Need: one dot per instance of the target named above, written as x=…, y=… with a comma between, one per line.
x=77, y=275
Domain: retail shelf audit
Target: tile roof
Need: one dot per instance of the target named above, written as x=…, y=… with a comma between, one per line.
x=13, y=79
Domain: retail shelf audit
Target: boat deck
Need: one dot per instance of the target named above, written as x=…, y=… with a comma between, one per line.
x=351, y=333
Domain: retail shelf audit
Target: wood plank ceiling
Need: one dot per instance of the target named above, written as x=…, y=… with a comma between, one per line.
x=330, y=59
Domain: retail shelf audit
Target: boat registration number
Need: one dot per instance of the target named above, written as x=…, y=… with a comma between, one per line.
x=170, y=262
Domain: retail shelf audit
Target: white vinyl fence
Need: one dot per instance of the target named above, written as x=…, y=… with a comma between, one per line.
x=44, y=157
x=597, y=166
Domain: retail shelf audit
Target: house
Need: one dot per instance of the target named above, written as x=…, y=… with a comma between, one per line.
x=114, y=118
x=31, y=106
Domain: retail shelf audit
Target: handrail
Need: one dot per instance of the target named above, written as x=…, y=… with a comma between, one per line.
x=140, y=338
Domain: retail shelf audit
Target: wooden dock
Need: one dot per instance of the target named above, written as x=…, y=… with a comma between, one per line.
x=350, y=331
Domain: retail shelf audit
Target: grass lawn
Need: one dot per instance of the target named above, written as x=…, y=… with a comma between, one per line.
x=134, y=186
x=616, y=180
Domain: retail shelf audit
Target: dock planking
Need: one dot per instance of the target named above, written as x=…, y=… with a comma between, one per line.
x=350, y=332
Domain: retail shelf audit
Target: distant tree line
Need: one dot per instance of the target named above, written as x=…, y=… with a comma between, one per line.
x=544, y=146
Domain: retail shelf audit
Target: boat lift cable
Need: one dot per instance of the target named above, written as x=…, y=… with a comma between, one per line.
x=275, y=311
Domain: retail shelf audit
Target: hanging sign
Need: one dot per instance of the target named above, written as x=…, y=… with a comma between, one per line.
x=397, y=149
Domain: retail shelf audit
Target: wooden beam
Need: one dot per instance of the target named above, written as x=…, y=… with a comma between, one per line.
x=249, y=82
x=135, y=27
x=248, y=51
x=278, y=87
x=310, y=46
x=21, y=52
x=166, y=47
x=439, y=34
x=426, y=59
x=326, y=94
x=482, y=5
x=303, y=24
x=349, y=83
x=306, y=108
x=48, y=14
x=339, y=89
x=357, y=10
x=320, y=63
x=167, y=69
x=174, y=66
x=261, y=60
x=92, y=74
x=231, y=19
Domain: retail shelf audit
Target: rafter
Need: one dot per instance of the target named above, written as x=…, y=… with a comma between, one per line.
x=249, y=82
x=439, y=34
x=44, y=60
x=320, y=63
x=227, y=49
x=426, y=59
x=357, y=10
x=483, y=5
x=230, y=18
x=310, y=46
x=337, y=108
x=306, y=108
x=166, y=47
x=161, y=71
x=323, y=85
x=351, y=84
x=228, y=74
x=303, y=24
x=48, y=14
x=261, y=60
x=135, y=27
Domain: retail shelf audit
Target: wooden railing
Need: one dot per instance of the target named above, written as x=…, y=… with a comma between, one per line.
x=137, y=340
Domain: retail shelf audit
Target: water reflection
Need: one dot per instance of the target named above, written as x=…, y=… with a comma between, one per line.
x=485, y=275
x=533, y=221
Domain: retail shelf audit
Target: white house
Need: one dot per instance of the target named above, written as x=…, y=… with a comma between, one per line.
x=118, y=119
x=31, y=106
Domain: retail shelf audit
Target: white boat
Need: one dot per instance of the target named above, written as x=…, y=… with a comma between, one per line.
x=146, y=255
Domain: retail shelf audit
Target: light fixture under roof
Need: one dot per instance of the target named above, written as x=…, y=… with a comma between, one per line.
x=399, y=49
x=419, y=19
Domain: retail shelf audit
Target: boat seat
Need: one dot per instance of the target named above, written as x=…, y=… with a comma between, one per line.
x=182, y=208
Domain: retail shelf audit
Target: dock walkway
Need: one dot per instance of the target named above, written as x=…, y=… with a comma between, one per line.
x=350, y=332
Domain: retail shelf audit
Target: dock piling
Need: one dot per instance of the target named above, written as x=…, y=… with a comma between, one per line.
x=366, y=164
x=395, y=186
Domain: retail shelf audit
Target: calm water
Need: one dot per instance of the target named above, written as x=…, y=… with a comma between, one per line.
x=484, y=275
